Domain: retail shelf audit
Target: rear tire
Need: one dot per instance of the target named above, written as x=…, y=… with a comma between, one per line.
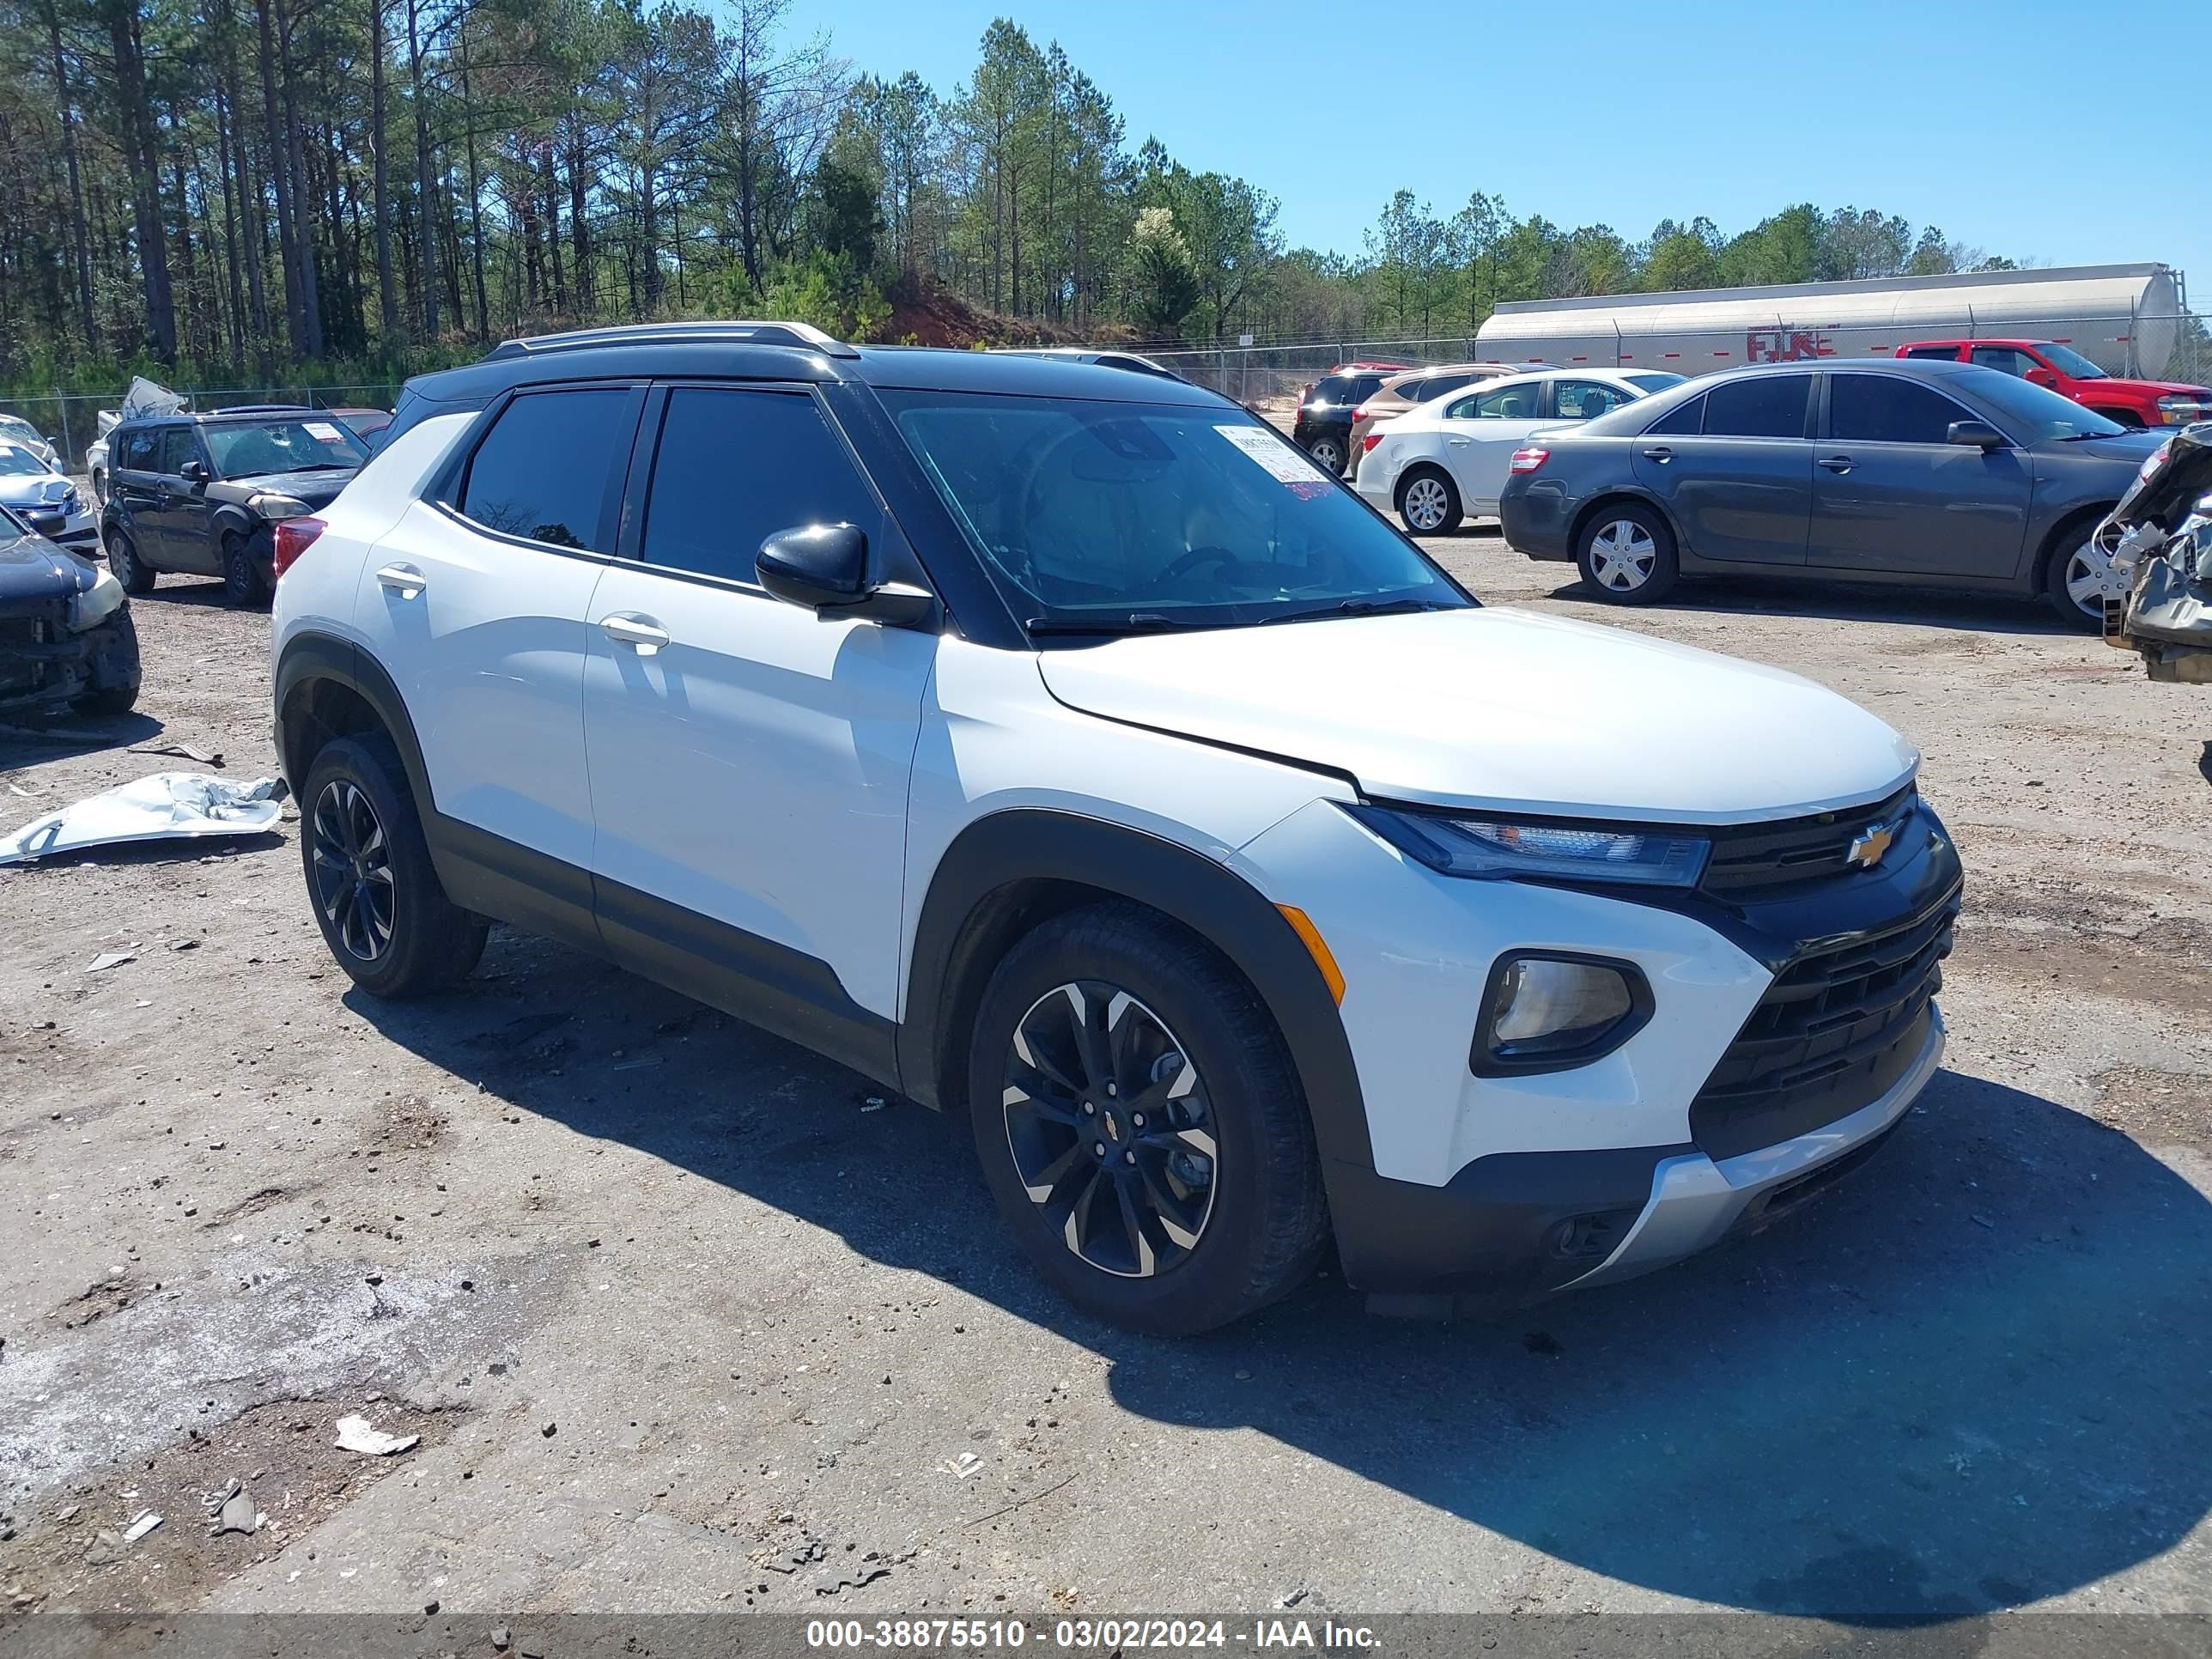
x=1154, y=1159
x=1626, y=553
x=242, y=584
x=376, y=895
x=1328, y=452
x=2078, y=574
x=126, y=566
x=1428, y=502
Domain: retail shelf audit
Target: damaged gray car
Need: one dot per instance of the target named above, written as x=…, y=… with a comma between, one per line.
x=67, y=642
x=2162, y=535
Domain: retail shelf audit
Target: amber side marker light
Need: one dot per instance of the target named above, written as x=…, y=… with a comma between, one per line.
x=1317, y=948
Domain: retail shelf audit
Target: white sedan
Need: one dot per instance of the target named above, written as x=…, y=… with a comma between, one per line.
x=1450, y=460
x=47, y=501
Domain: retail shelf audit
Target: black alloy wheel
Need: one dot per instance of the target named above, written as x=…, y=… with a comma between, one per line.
x=353, y=876
x=1110, y=1128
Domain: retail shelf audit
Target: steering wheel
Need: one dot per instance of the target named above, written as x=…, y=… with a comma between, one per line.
x=1196, y=558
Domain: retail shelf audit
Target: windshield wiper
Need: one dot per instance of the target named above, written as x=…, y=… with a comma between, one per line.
x=1360, y=608
x=1131, y=622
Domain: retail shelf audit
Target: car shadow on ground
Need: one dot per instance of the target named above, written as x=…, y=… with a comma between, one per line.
x=1968, y=1378
x=1843, y=602
x=25, y=740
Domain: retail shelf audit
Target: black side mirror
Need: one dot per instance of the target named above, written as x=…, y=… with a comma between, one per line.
x=825, y=566
x=1975, y=435
x=194, y=473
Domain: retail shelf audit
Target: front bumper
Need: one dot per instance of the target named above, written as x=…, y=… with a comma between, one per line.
x=1695, y=1203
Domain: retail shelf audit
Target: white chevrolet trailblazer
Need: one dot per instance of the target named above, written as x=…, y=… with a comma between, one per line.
x=1059, y=746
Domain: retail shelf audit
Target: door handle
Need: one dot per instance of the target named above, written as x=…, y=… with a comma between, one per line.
x=1659, y=453
x=404, y=580
x=1459, y=443
x=1837, y=463
x=641, y=632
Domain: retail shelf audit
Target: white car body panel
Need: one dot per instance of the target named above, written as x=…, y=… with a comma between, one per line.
x=489, y=652
x=1416, y=948
x=754, y=770
x=994, y=738
x=1501, y=710
x=1477, y=452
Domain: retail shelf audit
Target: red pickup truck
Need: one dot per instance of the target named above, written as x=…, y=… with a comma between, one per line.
x=2066, y=370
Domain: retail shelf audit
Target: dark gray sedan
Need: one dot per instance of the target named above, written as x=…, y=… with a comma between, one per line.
x=1902, y=472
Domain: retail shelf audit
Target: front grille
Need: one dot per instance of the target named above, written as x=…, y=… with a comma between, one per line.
x=1834, y=1031
x=1756, y=857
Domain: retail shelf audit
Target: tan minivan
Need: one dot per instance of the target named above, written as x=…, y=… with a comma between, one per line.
x=1413, y=388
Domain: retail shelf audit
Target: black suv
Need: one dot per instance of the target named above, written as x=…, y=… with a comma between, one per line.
x=199, y=493
x=1323, y=429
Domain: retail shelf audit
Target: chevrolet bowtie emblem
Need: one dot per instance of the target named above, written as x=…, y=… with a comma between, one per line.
x=1870, y=843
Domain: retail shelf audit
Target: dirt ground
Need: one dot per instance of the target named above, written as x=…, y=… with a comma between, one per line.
x=686, y=1319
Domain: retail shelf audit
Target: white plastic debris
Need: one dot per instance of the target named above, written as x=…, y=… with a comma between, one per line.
x=107, y=959
x=138, y=1528
x=355, y=1435
x=158, y=808
x=961, y=1466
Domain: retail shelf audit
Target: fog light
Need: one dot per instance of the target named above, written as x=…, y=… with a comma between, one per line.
x=1546, y=1013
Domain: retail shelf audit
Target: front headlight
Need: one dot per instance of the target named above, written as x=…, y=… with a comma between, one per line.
x=96, y=604
x=277, y=506
x=1490, y=849
x=2180, y=410
x=1542, y=1012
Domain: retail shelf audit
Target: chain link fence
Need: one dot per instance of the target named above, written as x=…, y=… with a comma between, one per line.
x=1268, y=379
x=71, y=422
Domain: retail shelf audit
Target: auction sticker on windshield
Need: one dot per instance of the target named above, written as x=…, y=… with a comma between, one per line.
x=1282, y=462
x=324, y=432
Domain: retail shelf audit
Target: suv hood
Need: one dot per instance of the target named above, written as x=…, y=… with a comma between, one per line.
x=1502, y=709
x=317, y=488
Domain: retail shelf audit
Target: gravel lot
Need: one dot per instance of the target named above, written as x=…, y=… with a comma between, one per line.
x=673, y=1305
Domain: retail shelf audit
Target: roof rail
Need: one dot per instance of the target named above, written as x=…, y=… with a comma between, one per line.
x=802, y=335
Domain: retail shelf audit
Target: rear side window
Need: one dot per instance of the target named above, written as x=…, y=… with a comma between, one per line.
x=1336, y=389
x=1936, y=354
x=1763, y=406
x=1685, y=420
x=734, y=467
x=541, y=472
x=137, y=453
x=1435, y=386
x=1888, y=409
x=2009, y=360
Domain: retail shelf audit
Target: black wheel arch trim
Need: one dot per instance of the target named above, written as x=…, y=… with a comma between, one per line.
x=1023, y=847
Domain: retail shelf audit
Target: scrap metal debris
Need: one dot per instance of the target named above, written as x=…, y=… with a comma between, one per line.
x=239, y=1514
x=138, y=1528
x=181, y=751
x=107, y=959
x=355, y=1435
x=167, y=805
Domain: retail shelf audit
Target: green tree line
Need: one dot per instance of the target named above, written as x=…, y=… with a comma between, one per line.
x=239, y=188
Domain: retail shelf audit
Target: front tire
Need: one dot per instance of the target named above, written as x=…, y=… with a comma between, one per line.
x=126, y=566
x=377, y=898
x=2079, y=576
x=243, y=586
x=116, y=673
x=1626, y=552
x=1140, y=1124
x=1428, y=502
x=1328, y=452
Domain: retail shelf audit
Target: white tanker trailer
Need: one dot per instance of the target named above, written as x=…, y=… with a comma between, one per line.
x=2129, y=319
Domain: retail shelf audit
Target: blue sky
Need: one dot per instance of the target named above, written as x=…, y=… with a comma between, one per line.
x=2033, y=128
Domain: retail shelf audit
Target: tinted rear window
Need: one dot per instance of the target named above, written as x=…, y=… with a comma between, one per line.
x=542, y=470
x=1762, y=406
x=1337, y=389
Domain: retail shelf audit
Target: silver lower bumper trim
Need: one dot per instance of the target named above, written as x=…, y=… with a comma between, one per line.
x=1695, y=1201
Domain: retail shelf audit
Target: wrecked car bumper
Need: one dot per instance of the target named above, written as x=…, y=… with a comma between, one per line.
x=46, y=666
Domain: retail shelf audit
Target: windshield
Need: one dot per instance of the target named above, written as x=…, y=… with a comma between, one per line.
x=2069, y=362
x=13, y=426
x=250, y=449
x=1653, y=382
x=1113, y=517
x=15, y=463
x=2044, y=414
